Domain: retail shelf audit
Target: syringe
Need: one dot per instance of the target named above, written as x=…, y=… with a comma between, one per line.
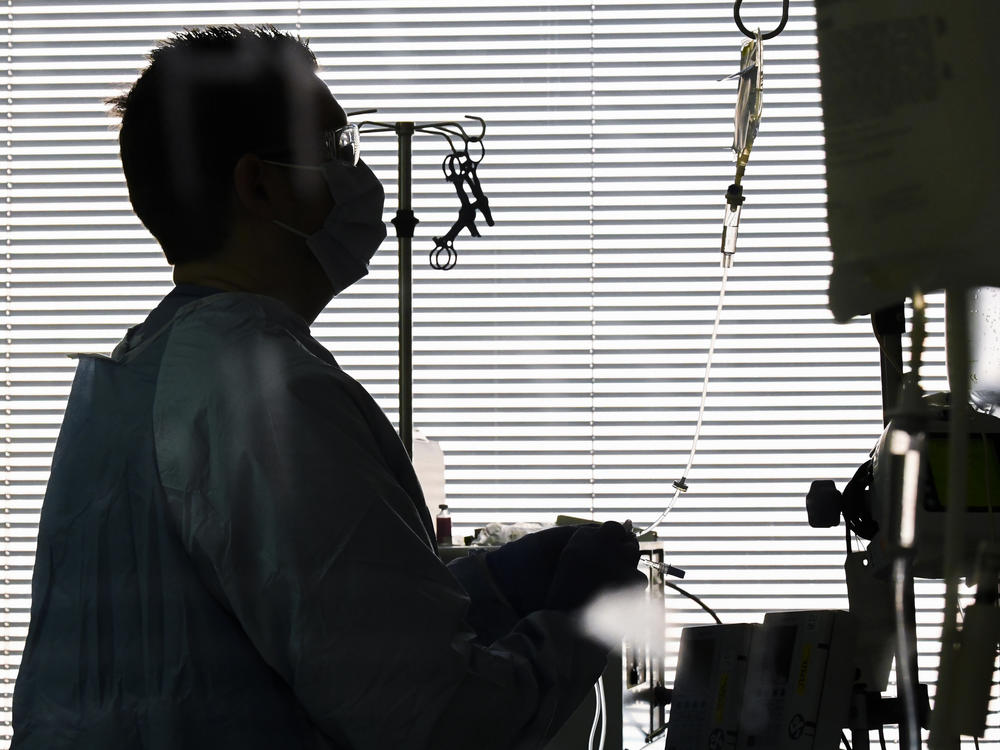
x=664, y=568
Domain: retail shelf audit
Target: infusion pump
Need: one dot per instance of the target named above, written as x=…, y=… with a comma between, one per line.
x=781, y=685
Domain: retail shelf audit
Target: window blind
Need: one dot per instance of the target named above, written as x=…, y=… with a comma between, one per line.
x=560, y=363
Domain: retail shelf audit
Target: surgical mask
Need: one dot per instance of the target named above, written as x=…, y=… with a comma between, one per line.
x=353, y=230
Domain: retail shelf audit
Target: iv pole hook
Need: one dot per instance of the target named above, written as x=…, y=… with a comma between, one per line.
x=768, y=35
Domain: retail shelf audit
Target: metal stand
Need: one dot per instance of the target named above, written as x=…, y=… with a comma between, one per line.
x=870, y=711
x=889, y=325
x=405, y=222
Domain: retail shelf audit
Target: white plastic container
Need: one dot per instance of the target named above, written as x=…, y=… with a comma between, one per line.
x=428, y=462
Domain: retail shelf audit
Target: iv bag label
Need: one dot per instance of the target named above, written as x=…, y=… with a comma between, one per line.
x=911, y=111
x=902, y=50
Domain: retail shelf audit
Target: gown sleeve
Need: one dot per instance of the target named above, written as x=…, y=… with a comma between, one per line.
x=285, y=503
x=490, y=614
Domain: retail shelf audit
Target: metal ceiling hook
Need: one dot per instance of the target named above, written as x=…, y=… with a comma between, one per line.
x=768, y=35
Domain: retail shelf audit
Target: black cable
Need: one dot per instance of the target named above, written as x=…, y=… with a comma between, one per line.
x=975, y=741
x=843, y=737
x=881, y=737
x=693, y=598
x=881, y=345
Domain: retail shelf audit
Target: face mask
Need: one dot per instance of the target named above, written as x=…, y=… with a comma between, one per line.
x=353, y=230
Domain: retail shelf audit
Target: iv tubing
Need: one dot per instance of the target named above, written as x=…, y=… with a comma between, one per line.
x=701, y=407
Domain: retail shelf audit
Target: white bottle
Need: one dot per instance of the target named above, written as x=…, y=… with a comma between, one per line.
x=428, y=462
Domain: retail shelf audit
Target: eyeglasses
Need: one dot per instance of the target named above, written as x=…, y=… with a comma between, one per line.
x=343, y=145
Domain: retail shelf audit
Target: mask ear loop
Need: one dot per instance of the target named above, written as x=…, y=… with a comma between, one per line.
x=307, y=167
x=291, y=229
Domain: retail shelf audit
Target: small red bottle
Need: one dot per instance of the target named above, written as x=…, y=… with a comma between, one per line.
x=443, y=526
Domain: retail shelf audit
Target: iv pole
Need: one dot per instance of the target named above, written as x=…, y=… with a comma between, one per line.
x=405, y=222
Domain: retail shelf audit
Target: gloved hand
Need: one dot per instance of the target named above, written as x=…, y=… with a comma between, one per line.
x=596, y=559
x=523, y=569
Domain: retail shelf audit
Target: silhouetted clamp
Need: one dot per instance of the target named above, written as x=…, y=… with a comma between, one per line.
x=460, y=170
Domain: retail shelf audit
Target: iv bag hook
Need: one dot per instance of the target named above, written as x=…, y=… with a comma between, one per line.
x=768, y=35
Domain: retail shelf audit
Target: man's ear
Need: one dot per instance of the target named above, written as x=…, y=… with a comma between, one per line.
x=254, y=186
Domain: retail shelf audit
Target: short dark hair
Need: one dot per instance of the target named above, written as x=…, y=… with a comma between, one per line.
x=207, y=97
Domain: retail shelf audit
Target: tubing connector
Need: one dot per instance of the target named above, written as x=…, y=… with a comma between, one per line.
x=731, y=223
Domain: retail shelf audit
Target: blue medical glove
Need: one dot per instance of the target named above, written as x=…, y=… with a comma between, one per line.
x=596, y=559
x=523, y=569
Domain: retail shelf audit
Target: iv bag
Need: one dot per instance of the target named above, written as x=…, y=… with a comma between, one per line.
x=748, y=99
x=911, y=117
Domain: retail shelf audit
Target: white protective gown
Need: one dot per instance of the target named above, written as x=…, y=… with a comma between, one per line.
x=234, y=553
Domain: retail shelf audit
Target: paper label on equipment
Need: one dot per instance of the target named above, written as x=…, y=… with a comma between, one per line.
x=800, y=685
x=720, y=703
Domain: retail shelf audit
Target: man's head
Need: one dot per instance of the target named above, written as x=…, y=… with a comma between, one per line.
x=205, y=131
x=208, y=97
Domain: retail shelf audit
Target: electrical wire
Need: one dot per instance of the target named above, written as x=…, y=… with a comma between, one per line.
x=681, y=485
x=885, y=352
x=695, y=599
x=600, y=716
x=843, y=738
x=881, y=738
x=604, y=713
x=597, y=713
